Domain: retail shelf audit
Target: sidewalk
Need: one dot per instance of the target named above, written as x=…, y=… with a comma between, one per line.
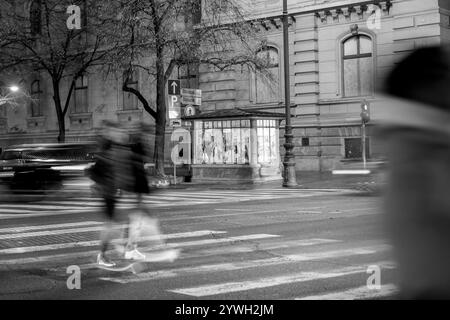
x=305, y=180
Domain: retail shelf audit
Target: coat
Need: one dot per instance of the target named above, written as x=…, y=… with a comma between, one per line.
x=138, y=170
x=417, y=200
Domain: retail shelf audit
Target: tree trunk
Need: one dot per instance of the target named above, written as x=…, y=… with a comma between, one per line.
x=59, y=112
x=161, y=115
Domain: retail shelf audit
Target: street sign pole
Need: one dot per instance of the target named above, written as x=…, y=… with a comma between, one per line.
x=365, y=117
x=363, y=131
x=174, y=173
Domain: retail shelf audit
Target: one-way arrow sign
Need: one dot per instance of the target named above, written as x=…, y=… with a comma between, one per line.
x=174, y=87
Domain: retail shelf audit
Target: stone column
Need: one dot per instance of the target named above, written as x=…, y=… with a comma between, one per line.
x=253, y=143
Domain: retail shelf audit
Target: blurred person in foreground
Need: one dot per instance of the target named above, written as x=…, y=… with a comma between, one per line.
x=110, y=174
x=140, y=186
x=416, y=128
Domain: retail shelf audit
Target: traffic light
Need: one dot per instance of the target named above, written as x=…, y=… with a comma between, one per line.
x=365, y=112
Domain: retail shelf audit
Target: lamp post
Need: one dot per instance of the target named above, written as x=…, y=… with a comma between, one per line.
x=365, y=117
x=290, y=179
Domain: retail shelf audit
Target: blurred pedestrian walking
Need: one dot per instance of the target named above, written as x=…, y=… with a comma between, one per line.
x=140, y=186
x=109, y=172
x=417, y=131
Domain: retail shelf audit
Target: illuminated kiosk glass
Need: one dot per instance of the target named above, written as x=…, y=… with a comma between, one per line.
x=236, y=145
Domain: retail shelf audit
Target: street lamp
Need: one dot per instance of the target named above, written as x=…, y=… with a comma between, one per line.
x=14, y=89
x=290, y=179
x=10, y=94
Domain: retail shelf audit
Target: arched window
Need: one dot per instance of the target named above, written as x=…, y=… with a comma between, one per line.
x=130, y=101
x=357, y=66
x=267, y=89
x=36, y=92
x=80, y=96
x=35, y=17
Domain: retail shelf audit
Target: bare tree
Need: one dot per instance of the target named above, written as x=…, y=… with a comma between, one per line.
x=38, y=39
x=163, y=34
x=13, y=99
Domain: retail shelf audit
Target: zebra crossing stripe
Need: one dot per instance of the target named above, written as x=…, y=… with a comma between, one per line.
x=198, y=254
x=203, y=195
x=233, y=266
x=157, y=201
x=361, y=293
x=32, y=214
x=149, y=238
x=41, y=207
x=218, y=216
x=80, y=203
x=9, y=210
x=49, y=226
x=236, y=286
x=96, y=242
x=247, y=248
x=54, y=232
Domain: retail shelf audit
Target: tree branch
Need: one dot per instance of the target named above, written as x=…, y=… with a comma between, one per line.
x=141, y=98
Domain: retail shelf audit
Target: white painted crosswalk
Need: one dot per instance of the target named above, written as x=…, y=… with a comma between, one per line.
x=259, y=283
x=357, y=293
x=253, y=262
x=167, y=198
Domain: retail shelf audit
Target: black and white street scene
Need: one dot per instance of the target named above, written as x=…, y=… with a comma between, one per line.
x=224, y=150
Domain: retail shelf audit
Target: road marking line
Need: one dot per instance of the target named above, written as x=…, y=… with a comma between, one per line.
x=218, y=215
x=233, y=209
x=236, y=286
x=309, y=212
x=55, y=232
x=36, y=207
x=300, y=243
x=264, y=247
x=158, y=204
x=80, y=244
x=81, y=204
x=3, y=210
x=12, y=216
x=220, y=251
x=356, y=294
x=41, y=214
x=233, y=266
x=182, y=196
x=149, y=238
x=48, y=226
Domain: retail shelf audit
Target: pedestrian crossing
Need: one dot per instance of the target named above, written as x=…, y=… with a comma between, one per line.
x=161, y=199
x=213, y=263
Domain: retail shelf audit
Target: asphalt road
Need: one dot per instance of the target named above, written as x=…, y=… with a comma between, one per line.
x=235, y=244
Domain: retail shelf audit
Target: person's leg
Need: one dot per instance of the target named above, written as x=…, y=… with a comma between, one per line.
x=133, y=230
x=151, y=221
x=106, y=234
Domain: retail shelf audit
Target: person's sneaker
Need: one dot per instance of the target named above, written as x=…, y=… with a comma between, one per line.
x=104, y=262
x=134, y=255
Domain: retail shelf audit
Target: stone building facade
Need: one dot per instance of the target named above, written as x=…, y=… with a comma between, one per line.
x=338, y=54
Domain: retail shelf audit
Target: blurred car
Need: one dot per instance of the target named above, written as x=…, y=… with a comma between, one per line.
x=370, y=179
x=37, y=167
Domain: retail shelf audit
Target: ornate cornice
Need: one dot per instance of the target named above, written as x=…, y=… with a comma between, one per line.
x=272, y=23
x=351, y=13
